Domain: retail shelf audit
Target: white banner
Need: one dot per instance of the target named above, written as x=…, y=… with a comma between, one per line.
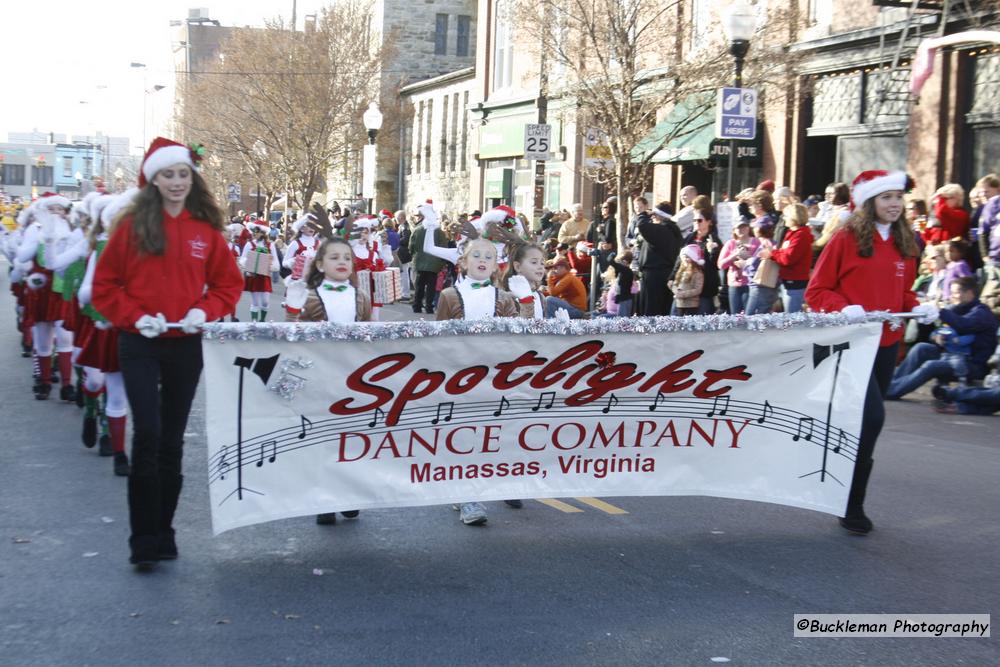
x=300, y=428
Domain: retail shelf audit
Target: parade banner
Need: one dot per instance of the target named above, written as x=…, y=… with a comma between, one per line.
x=311, y=418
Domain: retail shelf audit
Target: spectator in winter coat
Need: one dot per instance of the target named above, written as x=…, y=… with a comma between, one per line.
x=989, y=219
x=575, y=228
x=953, y=220
x=966, y=317
x=661, y=245
x=794, y=256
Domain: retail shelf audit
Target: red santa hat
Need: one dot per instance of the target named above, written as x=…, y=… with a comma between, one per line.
x=766, y=185
x=874, y=182
x=497, y=214
x=385, y=213
x=49, y=199
x=584, y=246
x=163, y=153
x=259, y=226
x=693, y=252
x=366, y=222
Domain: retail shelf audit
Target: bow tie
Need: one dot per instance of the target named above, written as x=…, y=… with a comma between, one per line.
x=485, y=283
x=335, y=288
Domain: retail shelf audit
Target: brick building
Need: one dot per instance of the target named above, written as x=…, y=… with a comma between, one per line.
x=847, y=108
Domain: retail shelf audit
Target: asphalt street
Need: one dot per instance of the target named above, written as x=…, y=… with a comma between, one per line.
x=635, y=581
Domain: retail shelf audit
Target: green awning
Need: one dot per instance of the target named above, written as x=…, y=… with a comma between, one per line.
x=692, y=122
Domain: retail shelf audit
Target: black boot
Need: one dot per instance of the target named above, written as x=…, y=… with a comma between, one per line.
x=326, y=519
x=42, y=390
x=351, y=514
x=121, y=466
x=66, y=393
x=854, y=519
x=170, y=492
x=143, y=514
x=105, y=448
x=89, y=435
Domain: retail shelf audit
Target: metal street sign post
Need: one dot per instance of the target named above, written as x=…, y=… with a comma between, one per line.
x=735, y=120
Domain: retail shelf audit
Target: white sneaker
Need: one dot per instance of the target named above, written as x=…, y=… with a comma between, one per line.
x=472, y=514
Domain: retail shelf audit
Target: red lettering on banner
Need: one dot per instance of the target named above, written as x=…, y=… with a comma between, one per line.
x=343, y=447
x=466, y=379
x=554, y=371
x=639, y=433
x=428, y=447
x=503, y=381
x=710, y=441
x=704, y=389
x=580, y=431
x=355, y=382
x=451, y=436
x=673, y=377
x=736, y=434
x=669, y=432
x=488, y=437
x=524, y=431
x=388, y=442
x=606, y=439
x=604, y=382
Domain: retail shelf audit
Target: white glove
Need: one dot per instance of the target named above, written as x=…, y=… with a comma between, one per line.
x=102, y=325
x=37, y=280
x=296, y=294
x=855, y=314
x=191, y=324
x=150, y=326
x=928, y=313
x=430, y=216
x=519, y=287
x=562, y=315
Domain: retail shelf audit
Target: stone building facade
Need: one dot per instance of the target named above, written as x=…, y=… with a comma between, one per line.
x=428, y=39
x=437, y=154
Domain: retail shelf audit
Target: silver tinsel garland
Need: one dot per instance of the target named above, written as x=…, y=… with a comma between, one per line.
x=375, y=331
x=289, y=383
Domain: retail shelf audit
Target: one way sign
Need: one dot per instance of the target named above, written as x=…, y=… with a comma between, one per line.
x=736, y=114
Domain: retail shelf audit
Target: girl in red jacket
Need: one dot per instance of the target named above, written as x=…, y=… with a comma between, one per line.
x=868, y=265
x=794, y=256
x=166, y=261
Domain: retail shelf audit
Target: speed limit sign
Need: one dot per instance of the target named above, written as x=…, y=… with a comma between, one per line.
x=537, y=141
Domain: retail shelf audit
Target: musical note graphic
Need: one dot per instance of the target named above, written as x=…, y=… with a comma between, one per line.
x=798, y=429
x=504, y=403
x=612, y=400
x=841, y=441
x=767, y=412
x=305, y=420
x=223, y=464
x=274, y=452
x=447, y=418
x=378, y=413
x=659, y=397
x=715, y=406
x=551, y=395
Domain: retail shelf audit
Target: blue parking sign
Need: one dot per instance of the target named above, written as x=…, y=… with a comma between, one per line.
x=736, y=114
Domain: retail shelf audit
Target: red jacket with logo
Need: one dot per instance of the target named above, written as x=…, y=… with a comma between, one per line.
x=880, y=282
x=196, y=270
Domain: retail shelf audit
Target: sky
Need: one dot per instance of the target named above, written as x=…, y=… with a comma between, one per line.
x=67, y=65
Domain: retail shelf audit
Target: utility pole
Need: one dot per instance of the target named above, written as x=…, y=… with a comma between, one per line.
x=294, y=3
x=543, y=112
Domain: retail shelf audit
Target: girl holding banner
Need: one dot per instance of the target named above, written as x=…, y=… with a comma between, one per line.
x=166, y=261
x=329, y=294
x=870, y=264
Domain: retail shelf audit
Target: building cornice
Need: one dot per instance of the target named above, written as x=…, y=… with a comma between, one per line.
x=440, y=80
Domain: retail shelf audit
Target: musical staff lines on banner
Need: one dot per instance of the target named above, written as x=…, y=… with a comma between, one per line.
x=271, y=446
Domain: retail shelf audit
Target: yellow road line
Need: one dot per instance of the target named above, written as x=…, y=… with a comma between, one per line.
x=601, y=505
x=559, y=505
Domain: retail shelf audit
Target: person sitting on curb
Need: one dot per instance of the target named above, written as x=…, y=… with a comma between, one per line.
x=946, y=359
x=964, y=400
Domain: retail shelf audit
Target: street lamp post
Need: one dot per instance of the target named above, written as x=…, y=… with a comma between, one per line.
x=738, y=24
x=372, y=119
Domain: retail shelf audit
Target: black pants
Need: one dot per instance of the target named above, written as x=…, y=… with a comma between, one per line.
x=656, y=298
x=872, y=420
x=873, y=416
x=161, y=377
x=426, y=289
